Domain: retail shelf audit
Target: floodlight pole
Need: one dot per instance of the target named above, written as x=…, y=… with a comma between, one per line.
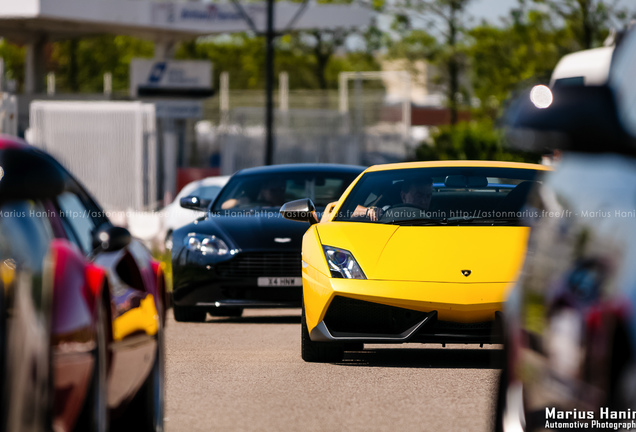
x=269, y=85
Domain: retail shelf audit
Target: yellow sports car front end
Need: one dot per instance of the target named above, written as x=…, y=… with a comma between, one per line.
x=414, y=252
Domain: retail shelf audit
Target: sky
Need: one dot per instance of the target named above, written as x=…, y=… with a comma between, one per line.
x=492, y=10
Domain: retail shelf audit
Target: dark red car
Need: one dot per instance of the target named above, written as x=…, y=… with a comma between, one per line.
x=81, y=307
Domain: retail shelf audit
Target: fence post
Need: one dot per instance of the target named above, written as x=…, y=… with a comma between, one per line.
x=224, y=98
x=283, y=93
x=50, y=83
x=406, y=109
x=283, y=88
x=108, y=84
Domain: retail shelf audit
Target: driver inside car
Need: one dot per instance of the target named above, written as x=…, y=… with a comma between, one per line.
x=415, y=195
x=271, y=194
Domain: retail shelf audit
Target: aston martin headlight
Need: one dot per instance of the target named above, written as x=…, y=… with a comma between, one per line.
x=342, y=264
x=206, y=244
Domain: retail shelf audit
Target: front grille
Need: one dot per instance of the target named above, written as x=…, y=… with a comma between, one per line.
x=347, y=315
x=255, y=264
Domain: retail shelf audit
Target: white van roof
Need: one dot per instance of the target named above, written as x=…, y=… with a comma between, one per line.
x=589, y=67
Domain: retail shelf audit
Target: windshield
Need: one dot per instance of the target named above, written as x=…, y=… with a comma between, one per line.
x=270, y=191
x=206, y=192
x=440, y=196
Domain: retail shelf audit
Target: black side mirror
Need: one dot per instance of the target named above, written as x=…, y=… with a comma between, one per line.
x=109, y=238
x=194, y=203
x=302, y=210
x=578, y=118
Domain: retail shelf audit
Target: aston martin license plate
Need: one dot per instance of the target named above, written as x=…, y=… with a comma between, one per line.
x=280, y=281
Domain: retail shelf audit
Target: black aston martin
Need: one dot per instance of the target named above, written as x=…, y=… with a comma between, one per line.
x=243, y=254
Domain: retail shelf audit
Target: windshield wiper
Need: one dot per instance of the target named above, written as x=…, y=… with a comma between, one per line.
x=483, y=219
x=417, y=221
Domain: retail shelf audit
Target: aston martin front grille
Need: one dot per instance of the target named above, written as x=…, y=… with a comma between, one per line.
x=256, y=264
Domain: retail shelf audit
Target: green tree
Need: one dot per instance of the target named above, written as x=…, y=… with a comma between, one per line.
x=323, y=45
x=415, y=45
x=449, y=20
x=470, y=141
x=588, y=20
x=13, y=56
x=522, y=52
x=240, y=54
x=80, y=64
x=243, y=57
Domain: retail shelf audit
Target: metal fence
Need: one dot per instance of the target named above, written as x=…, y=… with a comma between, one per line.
x=8, y=114
x=109, y=146
x=309, y=128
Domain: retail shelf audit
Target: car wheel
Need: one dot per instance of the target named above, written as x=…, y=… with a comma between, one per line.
x=94, y=415
x=509, y=410
x=500, y=407
x=318, y=352
x=188, y=314
x=227, y=312
x=146, y=411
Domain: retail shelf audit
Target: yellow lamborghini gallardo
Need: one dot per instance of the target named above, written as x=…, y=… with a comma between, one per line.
x=413, y=252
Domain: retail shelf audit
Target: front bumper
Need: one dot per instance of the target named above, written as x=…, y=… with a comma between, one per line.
x=234, y=282
x=350, y=320
x=377, y=311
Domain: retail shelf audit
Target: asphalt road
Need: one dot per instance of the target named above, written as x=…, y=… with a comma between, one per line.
x=247, y=375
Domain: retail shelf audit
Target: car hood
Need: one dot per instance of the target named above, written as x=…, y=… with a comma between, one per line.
x=270, y=231
x=431, y=253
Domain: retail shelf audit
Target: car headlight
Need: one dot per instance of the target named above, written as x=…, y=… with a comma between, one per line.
x=342, y=264
x=206, y=244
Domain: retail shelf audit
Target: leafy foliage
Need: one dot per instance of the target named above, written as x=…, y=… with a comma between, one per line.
x=587, y=20
x=470, y=141
x=243, y=56
x=522, y=53
x=93, y=57
x=13, y=56
x=449, y=21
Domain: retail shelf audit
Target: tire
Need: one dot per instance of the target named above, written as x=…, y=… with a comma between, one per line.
x=500, y=407
x=317, y=352
x=94, y=415
x=188, y=314
x=502, y=385
x=226, y=312
x=146, y=411
x=514, y=416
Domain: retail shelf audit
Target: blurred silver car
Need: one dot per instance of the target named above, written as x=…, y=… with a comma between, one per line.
x=176, y=216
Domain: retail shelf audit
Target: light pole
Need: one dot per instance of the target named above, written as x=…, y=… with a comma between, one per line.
x=269, y=85
x=270, y=36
